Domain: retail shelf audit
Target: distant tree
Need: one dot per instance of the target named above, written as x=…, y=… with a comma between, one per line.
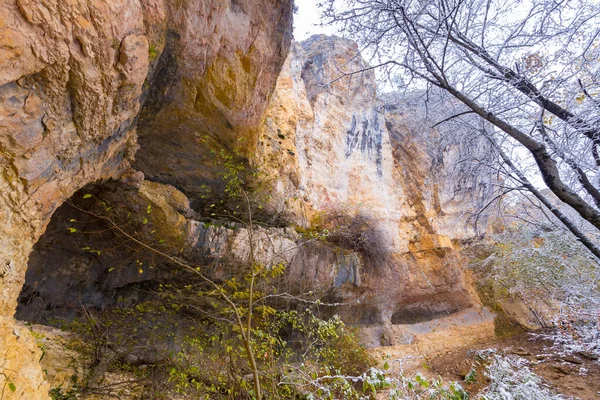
x=527, y=67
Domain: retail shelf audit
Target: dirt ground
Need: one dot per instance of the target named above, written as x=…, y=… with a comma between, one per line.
x=574, y=376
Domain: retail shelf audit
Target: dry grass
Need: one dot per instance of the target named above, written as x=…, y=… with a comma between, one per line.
x=358, y=231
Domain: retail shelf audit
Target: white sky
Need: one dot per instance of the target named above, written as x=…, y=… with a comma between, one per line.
x=307, y=20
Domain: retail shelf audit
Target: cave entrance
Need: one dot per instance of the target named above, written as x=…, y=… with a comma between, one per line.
x=80, y=264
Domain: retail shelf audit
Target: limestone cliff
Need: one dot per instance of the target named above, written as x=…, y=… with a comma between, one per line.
x=321, y=146
x=325, y=143
x=88, y=89
x=329, y=141
x=72, y=78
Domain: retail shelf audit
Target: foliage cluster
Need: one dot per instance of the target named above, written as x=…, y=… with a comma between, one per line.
x=355, y=230
x=184, y=343
x=553, y=275
x=240, y=192
x=206, y=327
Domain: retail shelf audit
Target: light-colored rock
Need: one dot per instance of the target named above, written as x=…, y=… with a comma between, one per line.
x=233, y=244
x=19, y=367
x=408, y=345
x=425, y=336
x=67, y=109
x=62, y=365
x=444, y=179
x=328, y=142
x=324, y=145
x=71, y=75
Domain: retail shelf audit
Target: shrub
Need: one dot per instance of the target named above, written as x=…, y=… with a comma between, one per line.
x=553, y=275
x=199, y=333
x=510, y=378
x=358, y=231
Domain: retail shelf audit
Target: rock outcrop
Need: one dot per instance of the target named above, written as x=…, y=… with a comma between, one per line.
x=328, y=141
x=325, y=143
x=94, y=91
x=322, y=148
x=72, y=78
x=213, y=82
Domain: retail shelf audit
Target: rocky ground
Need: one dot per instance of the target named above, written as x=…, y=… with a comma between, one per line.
x=571, y=375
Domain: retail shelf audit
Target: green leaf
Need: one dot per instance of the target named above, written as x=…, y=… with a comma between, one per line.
x=87, y=196
x=145, y=221
x=12, y=387
x=72, y=220
x=72, y=230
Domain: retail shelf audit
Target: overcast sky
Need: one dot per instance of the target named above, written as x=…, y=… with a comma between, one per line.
x=307, y=20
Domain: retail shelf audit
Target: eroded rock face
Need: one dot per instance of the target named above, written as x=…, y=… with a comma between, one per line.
x=322, y=146
x=327, y=144
x=213, y=84
x=71, y=78
x=440, y=174
x=329, y=141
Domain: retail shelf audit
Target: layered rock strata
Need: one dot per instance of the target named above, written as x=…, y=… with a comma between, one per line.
x=328, y=141
x=71, y=78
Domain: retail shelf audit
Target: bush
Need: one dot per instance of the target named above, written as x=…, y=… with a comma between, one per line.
x=553, y=275
x=169, y=355
x=199, y=333
x=357, y=231
x=510, y=378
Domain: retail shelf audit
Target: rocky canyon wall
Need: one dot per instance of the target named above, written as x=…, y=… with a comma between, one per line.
x=329, y=142
x=73, y=76
x=339, y=143
x=150, y=89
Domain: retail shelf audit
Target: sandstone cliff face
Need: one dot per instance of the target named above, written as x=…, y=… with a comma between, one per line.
x=71, y=78
x=83, y=85
x=214, y=81
x=325, y=145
